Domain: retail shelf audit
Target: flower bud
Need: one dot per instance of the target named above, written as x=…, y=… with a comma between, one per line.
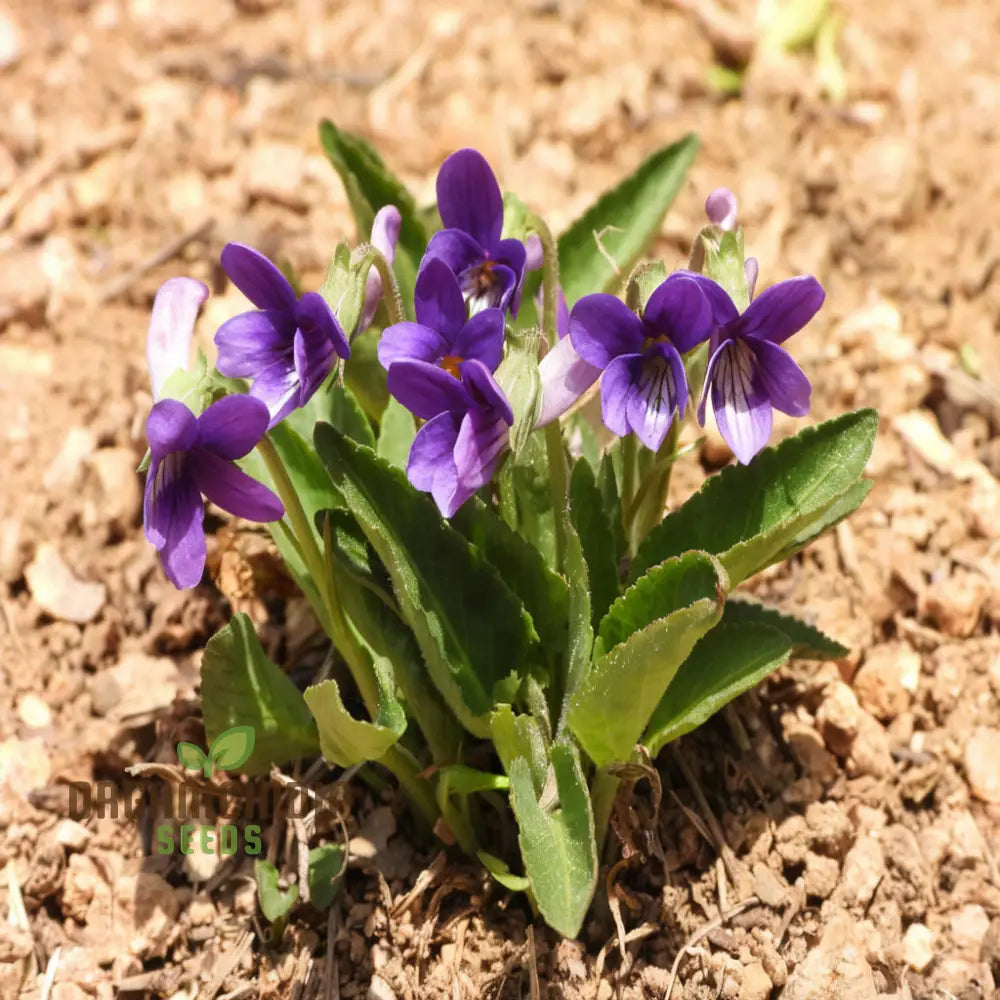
x=519, y=378
x=171, y=329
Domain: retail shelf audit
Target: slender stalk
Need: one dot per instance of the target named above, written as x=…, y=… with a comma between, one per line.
x=390, y=288
x=630, y=447
x=603, y=790
x=550, y=276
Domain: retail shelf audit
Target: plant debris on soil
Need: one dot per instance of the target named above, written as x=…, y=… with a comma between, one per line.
x=835, y=834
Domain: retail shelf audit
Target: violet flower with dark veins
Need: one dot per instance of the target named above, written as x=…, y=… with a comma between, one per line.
x=490, y=270
x=748, y=374
x=433, y=349
x=466, y=435
x=287, y=347
x=191, y=456
x=644, y=384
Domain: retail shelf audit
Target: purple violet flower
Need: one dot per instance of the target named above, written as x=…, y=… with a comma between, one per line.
x=171, y=328
x=287, y=346
x=434, y=348
x=489, y=270
x=721, y=208
x=385, y=235
x=644, y=383
x=748, y=374
x=191, y=456
x=466, y=435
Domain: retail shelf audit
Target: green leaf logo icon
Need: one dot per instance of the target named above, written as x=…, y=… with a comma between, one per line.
x=232, y=748
x=229, y=750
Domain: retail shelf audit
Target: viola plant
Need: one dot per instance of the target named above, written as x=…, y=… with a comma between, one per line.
x=515, y=615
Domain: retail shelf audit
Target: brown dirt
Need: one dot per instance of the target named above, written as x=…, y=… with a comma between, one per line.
x=853, y=807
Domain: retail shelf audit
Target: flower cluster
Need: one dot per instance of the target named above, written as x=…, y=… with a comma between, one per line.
x=443, y=366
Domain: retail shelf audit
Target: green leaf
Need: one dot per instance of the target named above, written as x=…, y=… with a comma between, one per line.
x=275, y=903
x=526, y=498
x=845, y=505
x=346, y=414
x=543, y=592
x=807, y=641
x=395, y=434
x=750, y=515
x=729, y=660
x=648, y=634
x=557, y=843
x=370, y=184
x=473, y=632
x=191, y=756
x=365, y=376
x=346, y=741
x=622, y=223
x=240, y=686
x=464, y=780
x=597, y=538
x=580, y=641
x=231, y=749
x=520, y=736
x=502, y=873
x=326, y=869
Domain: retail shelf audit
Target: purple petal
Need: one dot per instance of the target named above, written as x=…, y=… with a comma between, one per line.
x=178, y=515
x=512, y=254
x=232, y=489
x=750, y=271
x=385, y=235
x=171, y=327
x=781, y=378
x=709, y=376
x=426, y=390
x=783, y=309
x=469, y=197
x=565, y=378
x=486, y=395
x=457, y=249
x=315, y=315
x=742, y=409
x=437, y=298
x=534, y=256
x=232, y=426
x=680, y=309
x=278, y=388
x=659, y=391
x=171, y=426
x=431, y=466
x=721, y=208
x=411, y=342
x=724, y=310
x=603, y=328
x=562, y=314
x=481, y=338
x=491, y=286
x=479, y=448
x=617, y=384
x=313, y=355
x=253, y=341
x=257, y=278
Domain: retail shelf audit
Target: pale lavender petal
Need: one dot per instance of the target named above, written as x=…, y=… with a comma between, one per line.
x=750, y=270
x=183, y=551
x=742, y=410
x=252, y=341
x=713, y=362
x=783, y=309
x=481, y=338
x=232, y=489
x=411, y=342
x=534, y=256
x=562, y=314
x=426, y=390
x=437, y=298
x=385, y=235
x=721, y=208
x=659, y=391
x=565, y=378
x=315, y=315
x=781, y=378
x=232, y=426
x=431, y=465
x=490, y=286
x=469, y=197
x=170, y=426
x=484, y=391
x=603, y=328
x=679, y=309
x=171, y=327
x=257, y=278
x=617, y=384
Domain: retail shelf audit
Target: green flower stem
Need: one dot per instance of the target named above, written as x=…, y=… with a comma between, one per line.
x=390, y=287
x=630, y=457
x=645, y=509
x=401, y=764
x=603, y=790
x=550, y=276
